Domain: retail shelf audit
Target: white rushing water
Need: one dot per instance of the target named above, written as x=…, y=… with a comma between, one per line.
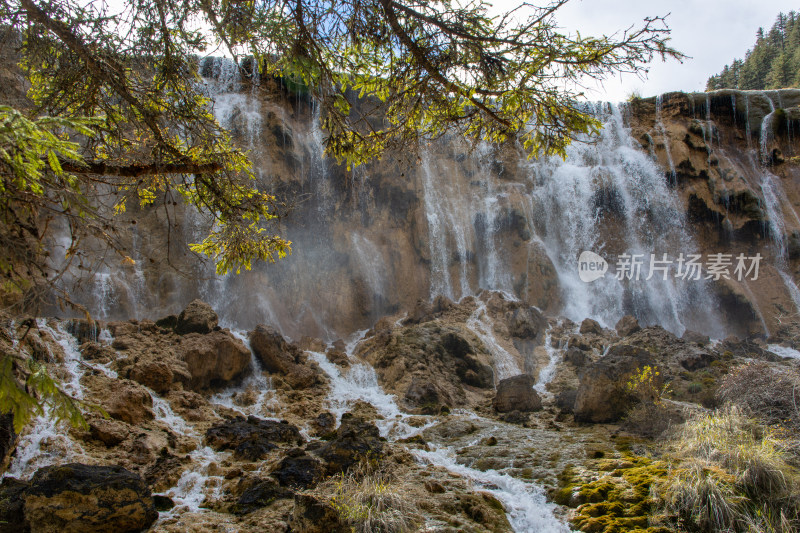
x=359, y=382
x=526, y=503
x=197, y=484
x=47, y=442
x=548, y=372
x=264, y=405
x=784, y=351
x=505, y=366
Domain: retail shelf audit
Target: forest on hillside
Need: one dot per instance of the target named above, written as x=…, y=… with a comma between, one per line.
x=772, y=63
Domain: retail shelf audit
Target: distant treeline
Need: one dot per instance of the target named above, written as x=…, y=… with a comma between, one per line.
x=773, y=63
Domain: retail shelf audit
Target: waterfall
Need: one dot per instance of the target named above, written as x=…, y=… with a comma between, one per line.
x=505, y=366
x=359, y=382
x=45, y=441
x=554, y=356
x=611, y=198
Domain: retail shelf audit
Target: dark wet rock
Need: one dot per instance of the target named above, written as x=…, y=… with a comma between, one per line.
x=168, y=322
x=299, y=471
x=214, y=359
x=260, y=495
x=601, y=395
x=696, y=361
x=8, y=438
x=83, y=330
x=83, y=498
x=251, y=438
x=198, y=317
x=516, y=417
x=591, y=326
x=324, y=423
x=627, y=325
x=517, y=394
x=12, y=506
x=746, y=348
x=163, y=503
x=355, y=439
x=165, y=471
x=312, y=515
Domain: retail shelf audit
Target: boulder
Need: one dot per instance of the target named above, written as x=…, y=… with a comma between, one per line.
x=109, y=432
x=356, y=439
x=565, y=400
x=251, y=438
x=214, y=359
x=312, y=515
x=154, y=374
x=271, y=349
x=591, y=326
x=129, y=402
x=575, y=357
x=627, y=325
x=323, y=424
x=526, y=323
x=198, y=317
x=517, y=394
x=278, y=356
x=77, y=498
x=428, y=396
x=299, y=471
x=601, y=395
x=262, y=494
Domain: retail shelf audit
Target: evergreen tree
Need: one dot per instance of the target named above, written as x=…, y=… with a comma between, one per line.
x=772, y=63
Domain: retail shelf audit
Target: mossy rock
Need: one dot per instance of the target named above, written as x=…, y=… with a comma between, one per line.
x=618, y=501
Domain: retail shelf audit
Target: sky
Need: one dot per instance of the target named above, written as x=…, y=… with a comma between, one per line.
x=712, y=32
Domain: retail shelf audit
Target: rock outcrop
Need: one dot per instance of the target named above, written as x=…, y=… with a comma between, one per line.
x=77, y=498
x=280, y=357
x=213, y=359
x=252, y=438
x=517, y=394
x=198, y=317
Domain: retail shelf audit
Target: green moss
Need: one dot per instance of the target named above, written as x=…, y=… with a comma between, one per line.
x=619, y=500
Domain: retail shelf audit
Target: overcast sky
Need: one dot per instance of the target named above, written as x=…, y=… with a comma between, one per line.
x=712, y=32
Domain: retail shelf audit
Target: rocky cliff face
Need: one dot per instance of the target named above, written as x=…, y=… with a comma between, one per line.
x=682, y=174
x=732, y=160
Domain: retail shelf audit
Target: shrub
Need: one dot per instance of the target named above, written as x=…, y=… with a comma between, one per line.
x=650, y=416
x=767, y=392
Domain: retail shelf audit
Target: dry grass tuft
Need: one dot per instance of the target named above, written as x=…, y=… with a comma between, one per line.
x=729, y=473
x=369, y=501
